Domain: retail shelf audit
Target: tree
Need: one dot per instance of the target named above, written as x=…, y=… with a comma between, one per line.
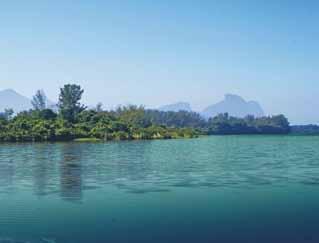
x=47, y=114
x=99, y=107
x=7, y=114
x=69, y=102
x=134, y=115
x=39, y=100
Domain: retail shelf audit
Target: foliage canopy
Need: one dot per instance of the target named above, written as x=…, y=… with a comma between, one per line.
x=74, y=121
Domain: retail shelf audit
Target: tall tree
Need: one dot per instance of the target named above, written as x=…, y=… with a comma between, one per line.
x=69, y=102
x=7, y=114
x=39, y=100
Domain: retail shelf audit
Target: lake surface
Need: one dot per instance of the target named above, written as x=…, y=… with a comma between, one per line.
x=211, y=189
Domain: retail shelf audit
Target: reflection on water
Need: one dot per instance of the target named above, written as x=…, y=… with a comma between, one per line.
x=155, y=166
x=212, y=189
x=71, y=173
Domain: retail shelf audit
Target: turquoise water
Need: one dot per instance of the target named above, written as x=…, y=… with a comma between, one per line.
x=211, y=189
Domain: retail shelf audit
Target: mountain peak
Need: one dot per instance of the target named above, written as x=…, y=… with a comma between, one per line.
x=234, y=98
x=9, y=98
x=9, y=91
x=234, y=105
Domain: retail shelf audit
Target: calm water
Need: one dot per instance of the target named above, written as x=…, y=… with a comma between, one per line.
x=212, y=189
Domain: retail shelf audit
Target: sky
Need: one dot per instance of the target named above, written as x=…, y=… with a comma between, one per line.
x=160, y=52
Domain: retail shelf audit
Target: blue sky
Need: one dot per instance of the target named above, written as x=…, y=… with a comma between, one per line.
x=160, y=52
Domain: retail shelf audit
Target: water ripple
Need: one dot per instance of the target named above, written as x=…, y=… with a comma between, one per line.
x=68, y=169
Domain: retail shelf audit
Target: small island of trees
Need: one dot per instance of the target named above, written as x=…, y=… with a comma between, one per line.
x=71, y=120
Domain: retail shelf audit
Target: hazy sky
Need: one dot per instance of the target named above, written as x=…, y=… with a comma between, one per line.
x=159, y=52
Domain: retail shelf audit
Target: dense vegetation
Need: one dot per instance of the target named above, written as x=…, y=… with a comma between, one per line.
x=224, y=124
x=305, y=130
x=72, y=120
x=178, y=119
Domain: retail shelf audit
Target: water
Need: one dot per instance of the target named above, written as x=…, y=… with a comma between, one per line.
x=211, y=189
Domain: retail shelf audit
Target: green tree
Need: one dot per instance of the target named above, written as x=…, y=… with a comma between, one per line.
x=134, y=116
x=7, y=114
x=69, y=102
x=47, y=114
x=39, y=100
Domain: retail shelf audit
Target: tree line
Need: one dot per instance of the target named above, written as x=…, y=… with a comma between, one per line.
x=72, y=120
x=222, y=124
x=305, y=129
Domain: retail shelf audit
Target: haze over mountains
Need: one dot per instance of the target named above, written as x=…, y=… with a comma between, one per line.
x=235, y=106
x=180, y=106
x=13, y=100
x=232, y=104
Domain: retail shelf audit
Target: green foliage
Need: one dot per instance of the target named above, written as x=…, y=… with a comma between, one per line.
x=135, y=116
x=305, y=130
x=124, y=124
x=39, y=101
x=7, y=114
x=69, y=102
x=74, y=122
x=47, y=114
x=225, y=124
x=178, y=119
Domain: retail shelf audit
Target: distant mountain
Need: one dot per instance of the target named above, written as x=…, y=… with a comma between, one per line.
x=180, y=106
x=234, y=105
x=11, y=99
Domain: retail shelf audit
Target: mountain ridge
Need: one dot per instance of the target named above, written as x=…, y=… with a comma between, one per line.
x=11, y=99
x=232, y=104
